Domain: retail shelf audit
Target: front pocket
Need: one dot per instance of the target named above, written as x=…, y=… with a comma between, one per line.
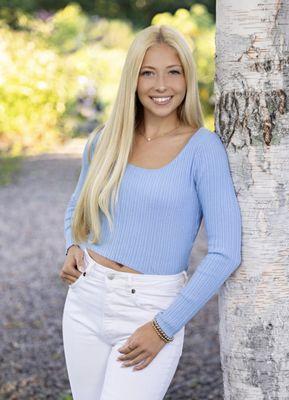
x=78, y=280
x=155, y=301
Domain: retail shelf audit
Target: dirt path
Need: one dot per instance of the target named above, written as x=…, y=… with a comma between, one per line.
x=32, y=244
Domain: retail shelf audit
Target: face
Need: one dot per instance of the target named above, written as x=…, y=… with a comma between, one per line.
x=161, y=83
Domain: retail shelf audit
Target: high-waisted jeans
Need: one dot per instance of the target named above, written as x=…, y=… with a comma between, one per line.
x=101, y=311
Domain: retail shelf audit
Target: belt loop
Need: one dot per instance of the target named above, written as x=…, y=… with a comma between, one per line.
x=86, y=257
x=85, y=270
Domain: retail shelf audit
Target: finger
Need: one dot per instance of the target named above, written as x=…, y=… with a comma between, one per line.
x=69, y=277
x=131, y=355
x=127, y=348
x=144, y=364
x=136, y=360
x=67, y=281
x=72, y=276
x=70, y=268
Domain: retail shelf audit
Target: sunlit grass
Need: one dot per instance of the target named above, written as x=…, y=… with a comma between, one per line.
x=65, y=397
x=9, y=167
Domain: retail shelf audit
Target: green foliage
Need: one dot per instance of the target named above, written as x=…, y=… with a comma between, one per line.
x=9, y=166
x=69, y=28
x=59, y=73
x=65, y=397
x=57, y=77
x=139, y=12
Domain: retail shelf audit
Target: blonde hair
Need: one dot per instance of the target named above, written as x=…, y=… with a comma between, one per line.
x=114, y=145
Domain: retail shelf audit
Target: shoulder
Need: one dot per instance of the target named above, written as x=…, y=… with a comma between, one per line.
x=211, y=156
x=208, y=137
x=92, y=141
x=210, y=144
x=96, y=134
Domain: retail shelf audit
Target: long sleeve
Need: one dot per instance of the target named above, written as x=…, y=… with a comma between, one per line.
x=214, y=186
x=73, y=199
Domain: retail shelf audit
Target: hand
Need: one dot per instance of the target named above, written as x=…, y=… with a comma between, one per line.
x=74, y=262
x=141, y=347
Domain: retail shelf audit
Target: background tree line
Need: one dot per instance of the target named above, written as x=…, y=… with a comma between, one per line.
x=139, y=12
x=60, y=70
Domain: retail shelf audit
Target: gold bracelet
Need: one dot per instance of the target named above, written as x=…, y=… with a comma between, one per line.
x=161, y=333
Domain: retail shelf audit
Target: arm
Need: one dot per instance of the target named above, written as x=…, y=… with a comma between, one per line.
x=73, y=199
x=214, y=185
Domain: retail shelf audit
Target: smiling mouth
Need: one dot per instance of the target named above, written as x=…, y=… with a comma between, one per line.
x=161, y=100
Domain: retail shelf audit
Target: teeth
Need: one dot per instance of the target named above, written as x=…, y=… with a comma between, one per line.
x=161, y=99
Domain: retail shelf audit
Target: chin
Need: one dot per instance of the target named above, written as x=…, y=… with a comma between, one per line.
x=161, y=113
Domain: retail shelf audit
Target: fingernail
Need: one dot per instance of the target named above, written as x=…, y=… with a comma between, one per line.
x=81, y=268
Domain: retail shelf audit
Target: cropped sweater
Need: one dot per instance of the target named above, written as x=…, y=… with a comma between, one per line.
x=158, y=215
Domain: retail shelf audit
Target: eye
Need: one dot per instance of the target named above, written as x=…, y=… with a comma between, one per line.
x=144, y=72
x=174, y=71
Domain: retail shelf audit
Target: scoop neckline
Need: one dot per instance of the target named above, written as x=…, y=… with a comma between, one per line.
x=173, y=161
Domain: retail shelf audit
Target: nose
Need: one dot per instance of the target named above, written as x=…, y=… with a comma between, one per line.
x=160, y=83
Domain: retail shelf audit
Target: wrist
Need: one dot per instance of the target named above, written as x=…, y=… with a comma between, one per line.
x=160, y=332
x=71, y=246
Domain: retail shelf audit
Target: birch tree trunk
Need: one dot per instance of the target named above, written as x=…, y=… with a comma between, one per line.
x=251, y=116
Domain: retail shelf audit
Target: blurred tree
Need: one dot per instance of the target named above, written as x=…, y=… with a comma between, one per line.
x=70, y=66
x=139, y=12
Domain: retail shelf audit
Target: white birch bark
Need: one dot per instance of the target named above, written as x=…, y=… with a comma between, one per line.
x=251, y=116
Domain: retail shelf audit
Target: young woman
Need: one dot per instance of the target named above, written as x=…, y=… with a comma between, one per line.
x=148, y=177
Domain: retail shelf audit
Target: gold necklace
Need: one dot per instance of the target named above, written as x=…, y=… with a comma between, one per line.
x=164, y=134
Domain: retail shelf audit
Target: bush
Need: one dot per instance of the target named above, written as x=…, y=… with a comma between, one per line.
x=59, y=72
x=58, y=77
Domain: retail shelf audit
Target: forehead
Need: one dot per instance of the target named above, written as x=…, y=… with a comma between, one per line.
x=161, y=55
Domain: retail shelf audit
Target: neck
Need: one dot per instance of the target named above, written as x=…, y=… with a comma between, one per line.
x=153, y=127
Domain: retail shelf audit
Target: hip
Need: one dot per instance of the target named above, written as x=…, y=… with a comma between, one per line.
x=147, y=291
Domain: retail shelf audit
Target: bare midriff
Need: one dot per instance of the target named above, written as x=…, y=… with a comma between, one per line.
x=106, y=262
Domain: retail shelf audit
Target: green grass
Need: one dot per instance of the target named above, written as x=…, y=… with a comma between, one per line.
x=65, y=397
x=9, y=166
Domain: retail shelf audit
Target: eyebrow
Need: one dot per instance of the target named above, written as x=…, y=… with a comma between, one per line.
x=169, y=66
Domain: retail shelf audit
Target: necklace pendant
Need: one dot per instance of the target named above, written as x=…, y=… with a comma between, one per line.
x=149, y=139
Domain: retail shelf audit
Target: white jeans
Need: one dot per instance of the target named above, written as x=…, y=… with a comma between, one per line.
x=101, y=312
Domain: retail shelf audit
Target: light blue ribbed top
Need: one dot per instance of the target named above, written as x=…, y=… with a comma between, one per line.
x=157, y=218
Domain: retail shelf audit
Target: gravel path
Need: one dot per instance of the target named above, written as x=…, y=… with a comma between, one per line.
x=32, y=365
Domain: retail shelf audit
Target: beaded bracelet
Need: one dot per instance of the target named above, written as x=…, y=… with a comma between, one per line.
x=71, y=246
x=161, y=333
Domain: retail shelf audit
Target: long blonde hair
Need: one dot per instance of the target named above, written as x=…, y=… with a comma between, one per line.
x=115, y=141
